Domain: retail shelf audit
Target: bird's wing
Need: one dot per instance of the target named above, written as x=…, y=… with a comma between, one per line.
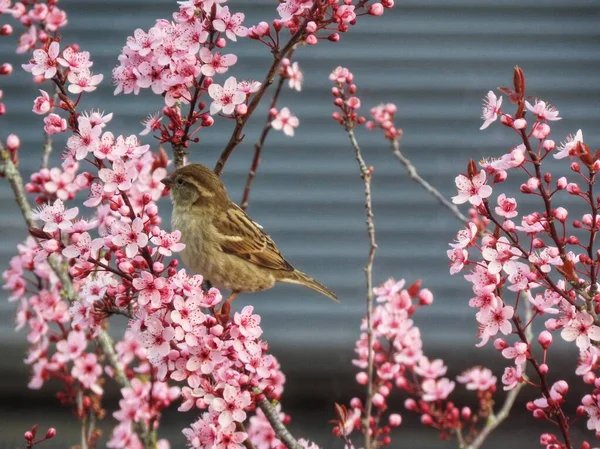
x=243, y=238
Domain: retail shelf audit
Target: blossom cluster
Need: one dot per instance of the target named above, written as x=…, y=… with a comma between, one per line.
x=542, y=259
x=399, y=362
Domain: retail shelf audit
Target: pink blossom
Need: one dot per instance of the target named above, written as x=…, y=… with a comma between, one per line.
x=72, y=347
x=132, y=237
x=466, y=236
x=27, y=40
x=491, y=109
x=248, y=323
x=87, y=370
x=507, y=207
x=286, y=121
x=83, y=81
x=477, y=378
x=157, y=338
x=501, y=257
x=431, y=369
x=75, y=60
x=569, y=147
x=513, y=376
x=56, y=217
x=518, y=352
x=344, y=14
x=151, y=123
x=54, y=124
x=86, y=140
x=493, y=320
x=82, y=246
x=582, y=330
x=229, y=23
x=290, y=8
x=226, y=97
x=543, y=111
x=150, y=288
x=231, y=406
x=43, y=104
x=547, y=257
x=587, y=360
x=458, y=257
x=120, y=177
x=544, y=303
x=473, y=190
x=248, y=87
x=295, y=76
x=591, y=405
x=215, y=62
x=44, y=62
x=436, y=390
x=168, y=242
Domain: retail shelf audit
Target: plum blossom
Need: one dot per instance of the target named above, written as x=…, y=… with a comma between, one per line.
x=507, y=207
x=295, y=76
x=120, y=177
x=543, y=111
x=493, y=320
x=83, y=81
x=518, y=352
x=458, y=257
x=501, y=257
x=229, y=23
x=131, y=236
x=43, y=61
x=54, y=124
x=513, y=376
x=168, y=242
x=473, y=190
x=42, y=104
x=226, y=97
x=286, y=121
x=466, y=236
x=491, y=109
x=76, y=61
x=56, y=217
x=431, y=369
x=547, y=257
x=582, y=330
x=86, y=140
x=435, y=390
x=568, y=148
x=231, y=406
x=87, y=370
x=477, y=378
x=156, y=338
x=215, y=62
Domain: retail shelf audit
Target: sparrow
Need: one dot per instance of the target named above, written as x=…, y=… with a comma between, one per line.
x=222, y=242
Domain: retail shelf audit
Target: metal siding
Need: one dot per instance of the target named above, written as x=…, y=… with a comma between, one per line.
x=434, y=59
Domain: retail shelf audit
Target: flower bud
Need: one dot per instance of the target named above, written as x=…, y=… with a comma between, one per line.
x=465, y=413
x=509, y=226
x=311, y=27
x=561, y=214
x=241, y=109
x=539, y=414
x=410, y=405
x=356, y=403
x=544, y=368
x=378, y=400
x=6, y=30
x=589, y=378
x=387, y=3
x=28, y=435
x=311, y=39
x=6, y=69
x=549, y=145
x=395, y=420
x=573, y=189
x=520, y=123
x=50, y=433
x=545, y=339
x=500, y=344
x=362, y=378
x=333, y=37
x=425, y=297
x=376, y=9
x=551, y=324
x=541, y=131
x=220, y=42
x=575, y=167
x=12, y=142
x=533, y=183
x=426, y=419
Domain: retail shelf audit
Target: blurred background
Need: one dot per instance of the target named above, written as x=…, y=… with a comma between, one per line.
x=436, y=60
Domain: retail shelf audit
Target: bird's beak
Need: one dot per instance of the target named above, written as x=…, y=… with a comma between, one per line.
x=168, y=181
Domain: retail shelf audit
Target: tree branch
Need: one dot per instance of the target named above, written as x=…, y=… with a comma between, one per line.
x=412, y=172
x=365, y=174
x=280, y=430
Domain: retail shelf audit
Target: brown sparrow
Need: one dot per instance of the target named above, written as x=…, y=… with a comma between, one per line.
x=222, y=243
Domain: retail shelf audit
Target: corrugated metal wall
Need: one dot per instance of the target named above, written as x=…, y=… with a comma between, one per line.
x=436, y=60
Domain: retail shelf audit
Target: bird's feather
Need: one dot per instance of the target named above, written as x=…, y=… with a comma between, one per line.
x=243, y=238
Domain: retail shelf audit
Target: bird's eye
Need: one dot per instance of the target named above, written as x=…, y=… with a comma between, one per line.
x=180, y=181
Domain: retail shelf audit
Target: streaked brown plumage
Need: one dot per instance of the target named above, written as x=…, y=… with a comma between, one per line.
x=222, y=242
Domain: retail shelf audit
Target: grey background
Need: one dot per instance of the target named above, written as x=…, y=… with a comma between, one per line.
x=435, y=60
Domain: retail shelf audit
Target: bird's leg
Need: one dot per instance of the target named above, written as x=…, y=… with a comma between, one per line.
x=223, y=314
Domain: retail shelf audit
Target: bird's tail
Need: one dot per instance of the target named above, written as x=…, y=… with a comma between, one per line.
x=298, y=277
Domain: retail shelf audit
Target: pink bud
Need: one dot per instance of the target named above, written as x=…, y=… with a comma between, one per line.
x=533, y=183
x=158, y=267
x=520, y=123
x=575, y=167
x=401, y=382
x=539, y=414
x=152, y=210
x=12, y=142
x=525, y=189
x=545, y=339
x=395, y=420
x=333, y=37
x=28, y=435
x=384, y=391
x=561, y=183
x=551, y=324
x=500, y=344
x=541, y=131
x=410, y=405
x=356, y=403
x=273, y=112
x=220, y=42
x=311, y=39
x=465, y=413
x=544, y=368
x=241, y=109
x=6, y=69
x=425, y=297
x=354, y=103
x=561, y=214
x=538, y=243
x=509, y=226
x=573, y=188
x=362, y=378
x=426, y=419
x=376, y=9
x=587, y=219
x=387, y=3
x=549, y=145
x=6, y=30
x=50, y=433
x=589, y=378
x=277, y=24
x=311, y=27
x=378, y=400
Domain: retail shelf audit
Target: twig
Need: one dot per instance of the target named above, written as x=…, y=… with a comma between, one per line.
x=13, y=176
x=84, y=444
x=236, y=136
x=494, y=420
x=412, y=172
x=241, y=428
x=365, y=174
x=280, y=430
x=258, y=146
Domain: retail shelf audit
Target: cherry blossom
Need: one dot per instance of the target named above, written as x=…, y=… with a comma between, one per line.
x=56, y=217
x=229, y=23
x=83, y=81
x=43, y=61
x=435, y=390
x=231, y=406
x=473, y=190
x=120, y=177
x=131, y=236
x=569, y=147
x=43, y=104
x=477, y=378
x=226, y=97
x=286, y=121
x=582, y=330
x=543, y=111
x=215, y=62
x=491, y=109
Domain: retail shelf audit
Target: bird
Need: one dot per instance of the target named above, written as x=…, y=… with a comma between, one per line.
x=222, y=243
